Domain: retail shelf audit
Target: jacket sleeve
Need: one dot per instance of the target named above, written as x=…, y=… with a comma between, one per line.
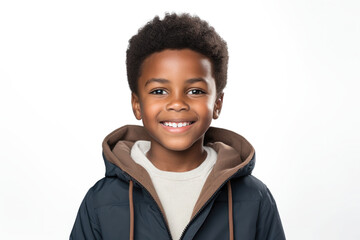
x=269, y=225
x=85, y=227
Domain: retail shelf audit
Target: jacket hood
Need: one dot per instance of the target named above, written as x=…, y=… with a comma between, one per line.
x=236, y=158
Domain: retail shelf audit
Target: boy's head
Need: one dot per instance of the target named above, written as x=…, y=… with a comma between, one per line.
x=177, y=32
x=177, y=71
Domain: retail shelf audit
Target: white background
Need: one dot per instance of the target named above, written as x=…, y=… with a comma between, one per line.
x=292, y=91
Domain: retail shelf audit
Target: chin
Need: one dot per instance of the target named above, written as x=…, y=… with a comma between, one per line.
x=177, y=145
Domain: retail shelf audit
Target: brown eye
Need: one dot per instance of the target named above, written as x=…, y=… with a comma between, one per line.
x=196, y=91
x=158, y=92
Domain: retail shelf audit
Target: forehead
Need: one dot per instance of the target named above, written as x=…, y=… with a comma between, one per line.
x=176, y=65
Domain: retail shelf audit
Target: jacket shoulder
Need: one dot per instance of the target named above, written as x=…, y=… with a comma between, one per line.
x=97, y=209
x=248, y=188
x=108, y=191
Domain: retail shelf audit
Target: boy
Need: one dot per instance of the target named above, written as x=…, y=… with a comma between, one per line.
x=176, y=177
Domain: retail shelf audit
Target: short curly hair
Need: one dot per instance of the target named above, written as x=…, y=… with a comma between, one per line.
x=177, y=32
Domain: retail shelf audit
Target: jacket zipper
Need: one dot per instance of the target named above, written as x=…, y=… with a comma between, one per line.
x=162, y=215
x=203, y=206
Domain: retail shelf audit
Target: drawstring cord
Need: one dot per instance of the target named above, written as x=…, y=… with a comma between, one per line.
x=131, y=205
x=231, y=223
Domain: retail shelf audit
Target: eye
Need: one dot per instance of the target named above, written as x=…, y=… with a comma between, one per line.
x=196, y=92
x=158, y=92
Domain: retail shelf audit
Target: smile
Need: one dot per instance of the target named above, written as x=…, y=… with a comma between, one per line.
x=176, y=124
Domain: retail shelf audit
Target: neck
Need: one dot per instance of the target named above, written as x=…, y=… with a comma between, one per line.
x=176, y=161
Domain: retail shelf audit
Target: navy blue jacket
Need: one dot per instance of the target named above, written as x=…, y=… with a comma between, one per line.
x=233, y=204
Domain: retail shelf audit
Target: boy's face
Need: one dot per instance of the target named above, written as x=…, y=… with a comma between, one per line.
x=176, y=98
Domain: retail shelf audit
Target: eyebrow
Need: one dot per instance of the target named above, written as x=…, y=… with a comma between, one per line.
x=159, y=80
x=163, y=81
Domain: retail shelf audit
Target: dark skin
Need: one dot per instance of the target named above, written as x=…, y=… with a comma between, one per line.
x=176, y=101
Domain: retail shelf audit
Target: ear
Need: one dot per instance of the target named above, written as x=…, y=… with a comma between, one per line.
x=218, y=105
x=135, y=102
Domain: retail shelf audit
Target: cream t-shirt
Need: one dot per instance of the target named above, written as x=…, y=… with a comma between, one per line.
x=178, y=191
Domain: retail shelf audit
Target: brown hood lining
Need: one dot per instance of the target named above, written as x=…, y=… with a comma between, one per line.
x=234, y=152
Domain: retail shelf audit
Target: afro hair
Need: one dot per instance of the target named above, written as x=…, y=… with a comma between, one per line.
x=177, y=32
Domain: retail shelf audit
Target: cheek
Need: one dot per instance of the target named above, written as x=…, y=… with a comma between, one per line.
x=205, y=108
x=150, y=109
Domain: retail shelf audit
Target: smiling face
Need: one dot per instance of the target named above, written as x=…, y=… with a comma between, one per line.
x=176, y=98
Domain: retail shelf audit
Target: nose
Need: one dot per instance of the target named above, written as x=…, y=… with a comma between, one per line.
x=177, y=103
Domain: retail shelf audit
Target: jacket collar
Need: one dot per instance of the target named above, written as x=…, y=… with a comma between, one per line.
x=236, y=158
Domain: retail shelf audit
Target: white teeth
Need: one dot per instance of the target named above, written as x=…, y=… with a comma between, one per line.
x=176, y=125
